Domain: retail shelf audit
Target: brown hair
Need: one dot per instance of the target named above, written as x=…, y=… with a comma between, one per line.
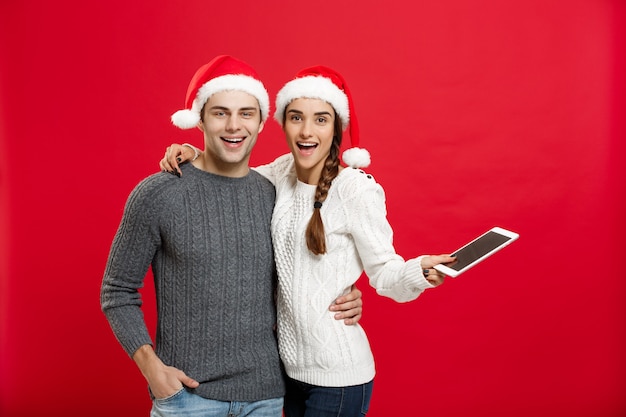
x=315, y=237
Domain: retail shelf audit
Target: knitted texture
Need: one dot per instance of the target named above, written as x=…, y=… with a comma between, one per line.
x=316, y=348
x=207, y=239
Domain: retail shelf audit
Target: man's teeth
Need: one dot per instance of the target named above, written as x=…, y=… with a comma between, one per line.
x=230, y=140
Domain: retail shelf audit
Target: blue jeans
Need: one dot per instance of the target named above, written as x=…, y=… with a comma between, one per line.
x=305, y=400
x=186, y=404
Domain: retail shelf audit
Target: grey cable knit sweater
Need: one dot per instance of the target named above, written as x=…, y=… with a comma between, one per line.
x=207, y=238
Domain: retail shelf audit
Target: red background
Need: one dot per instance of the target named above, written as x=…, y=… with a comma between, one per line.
x=477, y=113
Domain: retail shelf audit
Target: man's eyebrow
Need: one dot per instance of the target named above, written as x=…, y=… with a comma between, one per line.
x=228, y=109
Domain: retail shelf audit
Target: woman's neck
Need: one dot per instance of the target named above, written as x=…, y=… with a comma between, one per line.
x=311, y=176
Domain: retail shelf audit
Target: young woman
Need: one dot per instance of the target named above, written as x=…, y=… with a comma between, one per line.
x=329, y=225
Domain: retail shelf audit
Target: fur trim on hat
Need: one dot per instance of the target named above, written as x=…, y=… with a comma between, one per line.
x=189, y=118
x=313, y=87
x=356, y=158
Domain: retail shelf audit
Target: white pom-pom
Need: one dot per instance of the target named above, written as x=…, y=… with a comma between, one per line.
x=356, y=158
x=185, y=119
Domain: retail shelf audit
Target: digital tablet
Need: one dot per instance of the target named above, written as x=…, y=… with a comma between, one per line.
x=477, y=250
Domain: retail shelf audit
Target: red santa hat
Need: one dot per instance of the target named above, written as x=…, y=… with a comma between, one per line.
x=223, y=73
x=326, y=84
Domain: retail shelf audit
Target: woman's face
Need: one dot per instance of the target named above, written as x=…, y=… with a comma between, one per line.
x=309, y=130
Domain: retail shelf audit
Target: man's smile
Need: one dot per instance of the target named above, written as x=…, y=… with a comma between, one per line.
x=233, y=141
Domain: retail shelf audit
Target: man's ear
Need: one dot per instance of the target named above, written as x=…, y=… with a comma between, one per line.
x=261, y=126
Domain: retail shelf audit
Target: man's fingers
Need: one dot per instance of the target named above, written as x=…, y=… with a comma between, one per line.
x=343, y=305
x=352, y=320
x=350, y=297
x=187, y=380
x=190, y=382
x=349, y=313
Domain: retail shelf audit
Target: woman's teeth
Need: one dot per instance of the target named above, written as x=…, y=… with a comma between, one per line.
x=307, y=145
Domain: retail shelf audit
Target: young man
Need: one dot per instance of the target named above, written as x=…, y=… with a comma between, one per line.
x=207, y=238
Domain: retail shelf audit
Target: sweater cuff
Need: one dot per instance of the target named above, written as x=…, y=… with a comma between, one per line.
x=416, y=272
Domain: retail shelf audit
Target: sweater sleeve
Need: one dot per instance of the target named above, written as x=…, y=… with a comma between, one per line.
x=132, y=251
x=388, y=272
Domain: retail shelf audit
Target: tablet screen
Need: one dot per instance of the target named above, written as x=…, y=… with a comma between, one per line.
x=477, y=249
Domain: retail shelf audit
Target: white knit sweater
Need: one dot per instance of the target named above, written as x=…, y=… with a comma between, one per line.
x=314, y=347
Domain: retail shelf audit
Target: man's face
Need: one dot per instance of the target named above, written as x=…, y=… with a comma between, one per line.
x=231, y=124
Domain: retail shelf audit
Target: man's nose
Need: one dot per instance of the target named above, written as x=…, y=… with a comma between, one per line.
x=233, y=123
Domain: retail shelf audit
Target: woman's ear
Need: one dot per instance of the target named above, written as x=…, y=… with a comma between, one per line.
x=200, y=126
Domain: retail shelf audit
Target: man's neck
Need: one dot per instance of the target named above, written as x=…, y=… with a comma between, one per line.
x=218, y=167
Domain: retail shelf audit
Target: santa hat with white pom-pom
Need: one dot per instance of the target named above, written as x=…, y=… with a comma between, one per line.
x=223, y=73
x=326, y=84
